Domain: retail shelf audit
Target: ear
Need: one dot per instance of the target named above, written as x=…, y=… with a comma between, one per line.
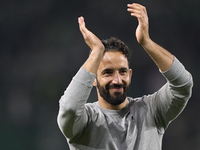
x=95, y=82
x=130, y=73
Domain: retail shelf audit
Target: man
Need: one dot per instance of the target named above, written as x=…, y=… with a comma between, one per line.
x=115, y=121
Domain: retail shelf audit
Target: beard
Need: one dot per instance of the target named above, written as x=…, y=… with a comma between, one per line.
x=118, y=97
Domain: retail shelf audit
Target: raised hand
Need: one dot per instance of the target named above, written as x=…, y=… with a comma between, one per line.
x=142, y=31
x=91, y=40
x=97, y=47
x=160, y=56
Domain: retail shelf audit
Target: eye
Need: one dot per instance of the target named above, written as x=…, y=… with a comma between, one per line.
x=107, y=72
x=123, y=71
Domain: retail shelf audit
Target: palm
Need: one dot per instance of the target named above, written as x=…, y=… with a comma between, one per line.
x=91, y=40
x=142, y=32
x=139, y=36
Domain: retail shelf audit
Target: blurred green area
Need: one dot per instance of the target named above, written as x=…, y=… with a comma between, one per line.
x=41, y=49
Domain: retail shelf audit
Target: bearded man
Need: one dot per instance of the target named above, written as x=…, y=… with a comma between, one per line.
x=116, y=121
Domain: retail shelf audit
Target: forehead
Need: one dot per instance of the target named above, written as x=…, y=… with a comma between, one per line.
x=113, y=60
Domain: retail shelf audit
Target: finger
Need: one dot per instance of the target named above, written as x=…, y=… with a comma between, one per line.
x=137, y=10
x=82, y=27
x=81, y=21
x=137, y=14
x=135, y=7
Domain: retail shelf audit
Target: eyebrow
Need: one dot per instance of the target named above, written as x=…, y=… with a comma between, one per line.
x=124, y=68
x=107, y=70
x=111, y=70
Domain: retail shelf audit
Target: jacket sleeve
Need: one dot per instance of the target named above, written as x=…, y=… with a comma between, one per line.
x=171, y=99
x=72, y=116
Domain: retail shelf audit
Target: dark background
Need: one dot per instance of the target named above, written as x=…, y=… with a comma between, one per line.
x=41, y=49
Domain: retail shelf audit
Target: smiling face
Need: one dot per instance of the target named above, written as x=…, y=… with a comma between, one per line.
x=113, y=79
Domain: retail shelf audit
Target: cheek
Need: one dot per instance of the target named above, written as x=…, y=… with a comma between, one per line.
x=126, y=78
x=106, y=80
x=103, y=81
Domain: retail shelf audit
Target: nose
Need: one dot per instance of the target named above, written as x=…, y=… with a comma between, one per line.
x=117, y=79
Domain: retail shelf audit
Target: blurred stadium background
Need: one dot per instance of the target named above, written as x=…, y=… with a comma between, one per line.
x=41, y=49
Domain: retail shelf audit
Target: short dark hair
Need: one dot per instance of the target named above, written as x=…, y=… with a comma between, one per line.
x=113, y=44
